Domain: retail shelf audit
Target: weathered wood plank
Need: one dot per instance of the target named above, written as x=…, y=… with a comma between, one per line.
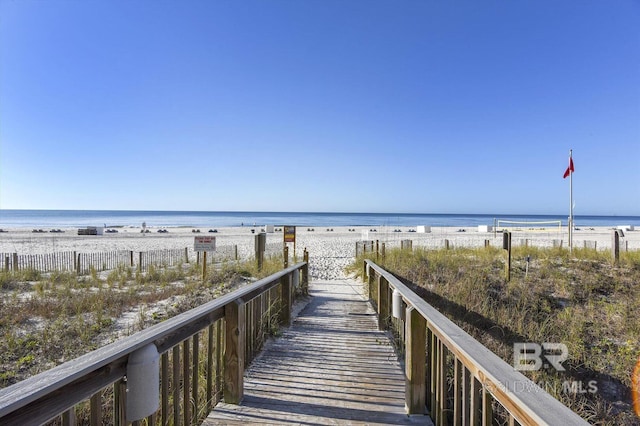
x=332, y=366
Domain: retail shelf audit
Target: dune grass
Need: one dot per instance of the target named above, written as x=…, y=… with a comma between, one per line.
x=579, y=299
x=47, y=319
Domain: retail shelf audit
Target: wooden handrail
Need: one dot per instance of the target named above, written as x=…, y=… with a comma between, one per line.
x=525, y=402
x=46, y=395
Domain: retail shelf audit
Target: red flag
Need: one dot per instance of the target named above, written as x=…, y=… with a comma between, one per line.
x=569, y=169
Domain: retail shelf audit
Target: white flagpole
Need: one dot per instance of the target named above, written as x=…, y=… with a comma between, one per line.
x=570, y=202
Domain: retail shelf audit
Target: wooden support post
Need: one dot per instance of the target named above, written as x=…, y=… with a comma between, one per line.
x=260, y=243
x=69, y=417
x=6, y=263
x=443, y=408
x=140, y=261
x=119, y=403
x=234, y=354
x=446, y=244
x=377, y=250
x=305, y=272
x=383, y=303
x=15, y=261
x=186, y=398
x=285, y=295
x=371, y=284
x=457, y=391
x=198, y=258
x=164, y=388
x=506, y=244
x=474, y=404
x=186, y=254
x=467, y=377
x=95, y=404
x=219, y=359
x=204, y=266
x=415, y=361
x=430, y=397
x=487, y=408
x=383, y=251
x=615, y=247
x=285, y=254
x=175, y=368
x=210, y=369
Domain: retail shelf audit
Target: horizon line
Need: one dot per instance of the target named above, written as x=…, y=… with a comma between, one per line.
x=318, y=212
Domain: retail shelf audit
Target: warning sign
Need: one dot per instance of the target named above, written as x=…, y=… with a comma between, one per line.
x=289, y=234
x=204, y=244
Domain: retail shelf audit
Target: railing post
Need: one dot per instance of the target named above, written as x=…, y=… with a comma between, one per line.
x=234, y=353
x=186, y=254
x=119, y=402
x=285, y=294
x=69, y=417
x=415, y=361
x=305, y=272
x=383, y=303
x=371, y=284
x=96, y=409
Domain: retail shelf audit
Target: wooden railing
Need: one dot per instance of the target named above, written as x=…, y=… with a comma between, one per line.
x=460, y=380
x=203, y=354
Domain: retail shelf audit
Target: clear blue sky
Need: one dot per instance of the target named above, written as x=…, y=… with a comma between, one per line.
x=320, y=105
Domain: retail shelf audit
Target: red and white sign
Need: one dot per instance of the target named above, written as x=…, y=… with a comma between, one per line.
x=204, y=244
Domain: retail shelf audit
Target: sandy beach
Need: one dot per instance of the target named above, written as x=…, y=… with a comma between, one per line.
x=330, y=249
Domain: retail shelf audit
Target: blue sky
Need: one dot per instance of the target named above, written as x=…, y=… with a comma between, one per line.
x=319, y=105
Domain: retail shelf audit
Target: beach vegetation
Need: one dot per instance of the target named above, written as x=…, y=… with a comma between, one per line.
x=581, y=299
x=49, y=318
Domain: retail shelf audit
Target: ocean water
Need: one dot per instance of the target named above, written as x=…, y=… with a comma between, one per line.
x=112, y=218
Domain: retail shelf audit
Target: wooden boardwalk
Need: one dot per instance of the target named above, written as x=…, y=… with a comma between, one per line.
x=332, y=366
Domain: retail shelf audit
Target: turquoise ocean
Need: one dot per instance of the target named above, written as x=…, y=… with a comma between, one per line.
x=123, y=218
